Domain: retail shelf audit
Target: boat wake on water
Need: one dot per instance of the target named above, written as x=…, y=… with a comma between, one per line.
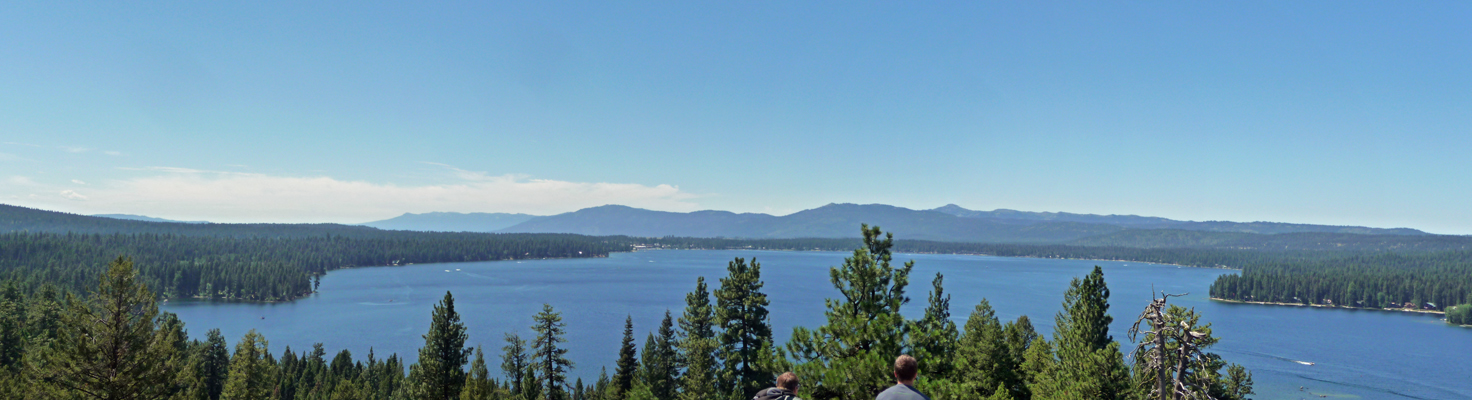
x=1270, y=356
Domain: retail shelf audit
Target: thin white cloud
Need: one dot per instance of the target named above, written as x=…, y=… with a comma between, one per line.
x=243, y=197
x=78, y=182
x=113, y=153
x=8, y=157
x=71, y=149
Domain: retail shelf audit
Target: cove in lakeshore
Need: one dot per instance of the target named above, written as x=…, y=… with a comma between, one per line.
x=1355, y=353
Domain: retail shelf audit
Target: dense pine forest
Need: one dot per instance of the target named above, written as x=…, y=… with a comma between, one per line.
x=113, y=343
x=1429, y=281
x=261, y=268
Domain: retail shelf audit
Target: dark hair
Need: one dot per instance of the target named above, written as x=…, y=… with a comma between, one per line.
x=787, y=381
x=905, y=367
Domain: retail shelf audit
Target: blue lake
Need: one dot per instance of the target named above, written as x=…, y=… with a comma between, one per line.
x=1356, y=354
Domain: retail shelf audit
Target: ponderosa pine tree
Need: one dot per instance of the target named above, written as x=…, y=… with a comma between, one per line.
x=250, y=370
x=109, y=345
x=746, y=334
x=1088, y=364
x=660, y=361
x=697, y=346
x=548, y=354
x=627, y=368
x=439, y=375
x=852, y=355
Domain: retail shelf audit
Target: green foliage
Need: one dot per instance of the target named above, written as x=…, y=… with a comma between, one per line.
x=628, y=366
x=697, y=346
x=250, y=370
x=1200, y=374
x=1087, y=362
x=660, y=362
x=934, y=338
x=548, y=355
x=262, y=268
x=109, y=345
x=1459, y=315
x=746, y=335
x=514, y=364
x=851, y=356
x=1388, y=281
x=478, y=381
x=983, y=361
x=438, y=374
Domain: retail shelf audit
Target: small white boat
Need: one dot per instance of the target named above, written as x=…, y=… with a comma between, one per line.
x=1303, y=362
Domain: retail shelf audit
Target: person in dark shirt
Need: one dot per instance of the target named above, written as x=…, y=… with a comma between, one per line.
x=786, y=389
x=905, y=370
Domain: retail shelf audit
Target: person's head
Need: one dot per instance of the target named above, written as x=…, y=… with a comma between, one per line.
x=787, y=381
x=905, y=368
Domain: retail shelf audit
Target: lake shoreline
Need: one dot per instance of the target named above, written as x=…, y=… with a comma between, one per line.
x=965, y=254
x=1269, y=303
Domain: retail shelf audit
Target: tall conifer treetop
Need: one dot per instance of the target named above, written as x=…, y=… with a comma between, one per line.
x=106, y=345
x=548, y=354
x=847, y=357
x=439, y=375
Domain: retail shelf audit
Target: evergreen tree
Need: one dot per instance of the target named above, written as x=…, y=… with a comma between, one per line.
x=250, y=370
x=697, y=346
x=661, y=361
x=12, y=327
x=1088, y=363
x=438, y=374
x=602, y=386
x=549, y=355
x=746, y=335
x=627, y=366
x=934, y=338
x=109, y=346
x=478, y=381
x=214, y=366
x=984, y=361
x=1019, y=336
x=514, y=363
x=850, y=357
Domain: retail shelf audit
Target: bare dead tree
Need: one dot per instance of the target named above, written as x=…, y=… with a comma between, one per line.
x=1154, y=351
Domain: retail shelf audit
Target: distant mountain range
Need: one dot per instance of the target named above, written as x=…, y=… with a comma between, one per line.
x=132, y=217
x=948, y=223
x=451, y=222
x=1138, y=222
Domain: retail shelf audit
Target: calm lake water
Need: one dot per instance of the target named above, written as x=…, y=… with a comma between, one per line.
x=1356, y=354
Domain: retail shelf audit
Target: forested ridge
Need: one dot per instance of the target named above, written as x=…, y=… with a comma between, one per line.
x=114, y=343
x=261, y=268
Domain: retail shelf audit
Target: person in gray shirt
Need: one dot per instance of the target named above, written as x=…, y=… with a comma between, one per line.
x=905, y=370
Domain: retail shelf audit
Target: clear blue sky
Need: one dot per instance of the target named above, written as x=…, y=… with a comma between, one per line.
x=1328, y=112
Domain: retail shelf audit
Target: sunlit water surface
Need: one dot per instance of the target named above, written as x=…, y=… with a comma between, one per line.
x=1355, y=354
